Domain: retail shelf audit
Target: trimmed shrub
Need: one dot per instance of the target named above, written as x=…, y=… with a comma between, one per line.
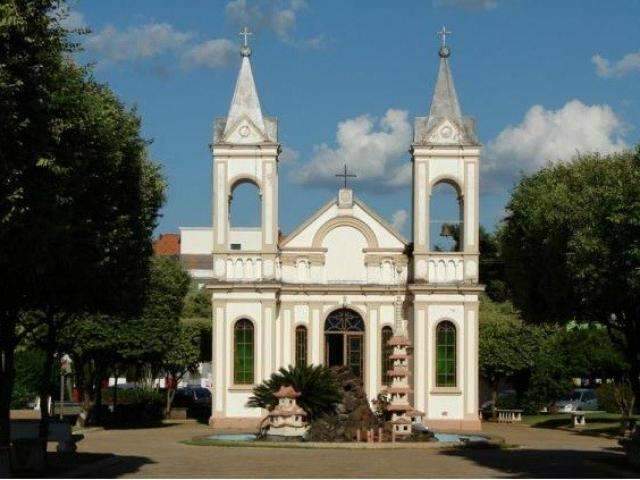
x=135, y=406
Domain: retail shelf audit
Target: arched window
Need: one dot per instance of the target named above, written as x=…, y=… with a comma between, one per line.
x=245, y=205
x=445, y=354
x=446, y=208
x=386, y=351
x=243, y=352
x=301, y=345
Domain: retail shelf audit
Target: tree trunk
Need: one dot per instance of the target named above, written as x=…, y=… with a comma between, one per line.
x=494, y=398
x=7, y=375
x=170, y=395
x=97, y=406
x=634, y=379
x=46, y=385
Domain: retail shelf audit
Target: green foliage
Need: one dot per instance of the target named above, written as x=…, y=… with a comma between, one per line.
x=203, y=325
x=197, y=304
x=319, y=391
x=184, y=354
x=149, y=338
x=552, y=370
x=134, y=396
x=615, y=397
x=571, y=246
x=507, y=346
x=29, y=364
x=492, y=274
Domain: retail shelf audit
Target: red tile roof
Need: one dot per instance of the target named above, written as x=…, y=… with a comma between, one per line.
x=167, y=244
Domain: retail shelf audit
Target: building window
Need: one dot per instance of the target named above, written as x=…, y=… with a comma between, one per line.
x=301, y=345
x=386, y=351
x=236, y=246
x=446, y=355
x=243, y=352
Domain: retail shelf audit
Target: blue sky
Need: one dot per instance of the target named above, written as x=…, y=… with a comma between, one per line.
x=543, y=79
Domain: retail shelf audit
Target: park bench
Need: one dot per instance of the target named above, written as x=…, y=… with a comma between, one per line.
x=579, y=417
x=506, y=415
x=27, y=451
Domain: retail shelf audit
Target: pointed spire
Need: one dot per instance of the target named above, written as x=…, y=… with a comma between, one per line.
x=444, y=103
x=444, y=108
x=246, y=102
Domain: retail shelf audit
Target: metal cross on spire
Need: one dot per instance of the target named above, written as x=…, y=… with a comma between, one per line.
x=443, y=35
x=245, y=33
x=345, y=175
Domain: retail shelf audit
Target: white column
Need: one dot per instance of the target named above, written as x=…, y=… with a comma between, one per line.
x=373, y=355
x=420, y=357
x=470, y=205
x=218, y=357
x=471, y=393
x=286, y=337
x=316, y=335
x=267, y=339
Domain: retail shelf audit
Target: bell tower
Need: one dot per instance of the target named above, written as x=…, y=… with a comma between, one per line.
x=245, y=150
x=445, y=149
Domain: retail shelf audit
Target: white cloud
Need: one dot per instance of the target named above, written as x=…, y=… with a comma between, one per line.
x=627, y=64
x=214, y=53
x=399, y=219
x=470, y=4
x=376, y=150
x=279, y=16
x=288, y=155
x=550, y=136
x=136, y=43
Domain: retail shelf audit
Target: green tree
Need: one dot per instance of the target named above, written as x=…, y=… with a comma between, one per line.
x=319, y=391
x=571, y=246
x=146, y=340
x=182, y=357
x=32, y=49
x=79, y=199
x=93, y=343
x=197, y=304
x=507, y=347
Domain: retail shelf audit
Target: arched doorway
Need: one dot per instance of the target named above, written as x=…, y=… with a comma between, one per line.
x=344, y=340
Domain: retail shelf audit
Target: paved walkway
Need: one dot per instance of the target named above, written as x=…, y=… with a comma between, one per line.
x=156, y=452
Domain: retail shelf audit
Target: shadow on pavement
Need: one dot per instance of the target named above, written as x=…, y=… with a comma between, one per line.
x=524, y=462
x=92, y=465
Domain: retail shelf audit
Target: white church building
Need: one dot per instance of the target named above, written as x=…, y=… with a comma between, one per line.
x=327, y=292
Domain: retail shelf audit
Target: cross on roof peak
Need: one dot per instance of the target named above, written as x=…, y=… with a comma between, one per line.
x=346, y=175
x=443, y=35
x=245, y=33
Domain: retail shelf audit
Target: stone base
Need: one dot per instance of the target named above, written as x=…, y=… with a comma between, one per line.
x=466, y=425
x=235, y=423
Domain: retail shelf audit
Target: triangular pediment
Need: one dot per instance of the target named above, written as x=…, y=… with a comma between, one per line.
x=244, y=131
x=361, y=217
x=445, y=132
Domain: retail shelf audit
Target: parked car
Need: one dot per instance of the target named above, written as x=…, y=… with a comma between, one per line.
x=578, y=399
x=192, y=397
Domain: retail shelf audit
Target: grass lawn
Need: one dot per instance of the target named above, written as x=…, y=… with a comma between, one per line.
x=607, y=424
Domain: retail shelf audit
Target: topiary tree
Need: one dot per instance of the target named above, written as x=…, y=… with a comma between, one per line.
x=319, y=392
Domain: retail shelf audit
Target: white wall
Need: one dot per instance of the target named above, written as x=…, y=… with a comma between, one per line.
x=344, y=260
x=249, y=238
x=196, y=240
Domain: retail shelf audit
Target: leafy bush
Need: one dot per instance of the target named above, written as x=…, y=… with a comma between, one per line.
x=29, y=365
x=133, y=396
x=508, y=401
x=612, y=397
x=319, y=391
x=135, y=406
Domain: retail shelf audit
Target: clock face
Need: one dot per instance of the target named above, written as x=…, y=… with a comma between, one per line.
x=446, y=132
x=244, y=131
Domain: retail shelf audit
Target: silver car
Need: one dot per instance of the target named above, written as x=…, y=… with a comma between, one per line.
x=579, y=399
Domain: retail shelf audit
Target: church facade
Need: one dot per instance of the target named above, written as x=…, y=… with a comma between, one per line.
x=333, y=290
